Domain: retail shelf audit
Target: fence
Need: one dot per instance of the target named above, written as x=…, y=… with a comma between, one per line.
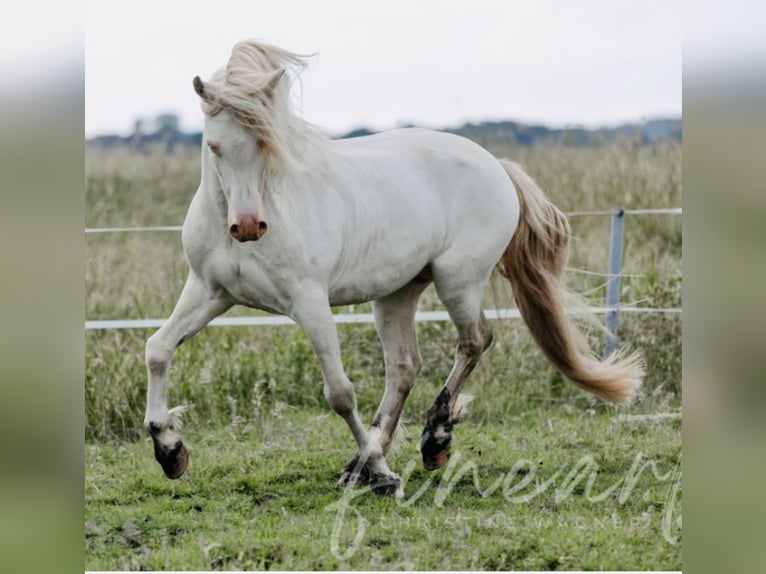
x=612, y=309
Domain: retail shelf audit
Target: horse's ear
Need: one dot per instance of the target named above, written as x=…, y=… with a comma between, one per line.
x=204, y=90
x=268, y=90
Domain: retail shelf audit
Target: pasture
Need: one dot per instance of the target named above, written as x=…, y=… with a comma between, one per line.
x=542, y=476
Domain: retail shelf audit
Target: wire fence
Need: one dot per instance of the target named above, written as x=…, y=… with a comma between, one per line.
x=340, y=318
x=658, y=211
x=611, y=310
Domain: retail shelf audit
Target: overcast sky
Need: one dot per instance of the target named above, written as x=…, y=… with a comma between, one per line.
x=379, y=64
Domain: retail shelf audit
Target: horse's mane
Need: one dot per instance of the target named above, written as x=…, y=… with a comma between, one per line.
x=243, y=88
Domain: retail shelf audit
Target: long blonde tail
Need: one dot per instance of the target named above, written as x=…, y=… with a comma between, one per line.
x=534, y=262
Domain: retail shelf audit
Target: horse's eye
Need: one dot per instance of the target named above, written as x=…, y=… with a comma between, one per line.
x=215, y=148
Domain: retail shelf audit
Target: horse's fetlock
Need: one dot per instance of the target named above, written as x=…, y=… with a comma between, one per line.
x=439, y=415
x=155, y=423
x=153, y=428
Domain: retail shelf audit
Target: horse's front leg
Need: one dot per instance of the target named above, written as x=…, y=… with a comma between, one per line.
x=195, y=308
x=315, y=316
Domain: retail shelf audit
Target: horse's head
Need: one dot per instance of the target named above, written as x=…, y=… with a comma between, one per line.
x=236, y=151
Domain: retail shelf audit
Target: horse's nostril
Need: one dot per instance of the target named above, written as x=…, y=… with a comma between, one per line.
x=262, y=227
x=234, y=229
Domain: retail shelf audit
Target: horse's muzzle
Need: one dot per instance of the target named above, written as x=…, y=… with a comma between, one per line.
x=248, y=230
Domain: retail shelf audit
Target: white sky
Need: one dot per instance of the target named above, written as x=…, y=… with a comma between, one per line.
x=379, y=64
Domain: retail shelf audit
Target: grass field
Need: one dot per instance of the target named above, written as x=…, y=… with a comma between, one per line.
x=542, y=476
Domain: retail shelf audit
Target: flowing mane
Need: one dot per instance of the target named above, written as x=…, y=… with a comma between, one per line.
x=255, y=87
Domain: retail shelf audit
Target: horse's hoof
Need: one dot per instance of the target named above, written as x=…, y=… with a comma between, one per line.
x=386, y=485
x=173, y=461
x=435, y=446
x=351, y=479
x=433, y=462
x=354, y=474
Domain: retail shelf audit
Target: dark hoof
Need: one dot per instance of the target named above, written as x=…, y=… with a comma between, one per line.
x=173, y=461
x=437, y=461
x=354, y=473
x=435, y=446
x=384, y=485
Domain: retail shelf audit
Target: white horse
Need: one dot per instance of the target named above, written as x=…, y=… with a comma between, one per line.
x=288, y=221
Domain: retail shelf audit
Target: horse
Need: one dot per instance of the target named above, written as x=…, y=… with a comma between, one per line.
x=289, y=221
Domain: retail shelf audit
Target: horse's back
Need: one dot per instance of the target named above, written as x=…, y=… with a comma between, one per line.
x=430, y=145
x=448, y=200
x=456, y=168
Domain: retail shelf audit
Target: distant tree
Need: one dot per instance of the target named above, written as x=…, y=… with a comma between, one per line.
x=138, y=127
x=167, y=123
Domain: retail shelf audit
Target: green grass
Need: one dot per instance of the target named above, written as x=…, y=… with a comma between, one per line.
x=264, y=497
x=266, y=450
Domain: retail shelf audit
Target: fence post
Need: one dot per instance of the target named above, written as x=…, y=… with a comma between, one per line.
x=613, y=282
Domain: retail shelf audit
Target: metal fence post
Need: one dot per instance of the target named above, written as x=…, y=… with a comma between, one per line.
x=613, y=282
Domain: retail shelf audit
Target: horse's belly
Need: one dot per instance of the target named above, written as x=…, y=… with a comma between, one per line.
x=369, y=284
x=356, y=294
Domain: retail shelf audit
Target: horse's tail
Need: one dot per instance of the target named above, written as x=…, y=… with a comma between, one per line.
x=534, y=262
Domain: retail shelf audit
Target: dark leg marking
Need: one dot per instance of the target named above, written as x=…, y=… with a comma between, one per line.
x=436, y=439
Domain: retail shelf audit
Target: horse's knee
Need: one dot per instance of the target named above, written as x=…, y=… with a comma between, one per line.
x=340, y=396
x=156, y=355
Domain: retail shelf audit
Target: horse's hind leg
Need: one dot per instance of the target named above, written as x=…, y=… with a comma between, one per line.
x=395, y=324
x=463, y=303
